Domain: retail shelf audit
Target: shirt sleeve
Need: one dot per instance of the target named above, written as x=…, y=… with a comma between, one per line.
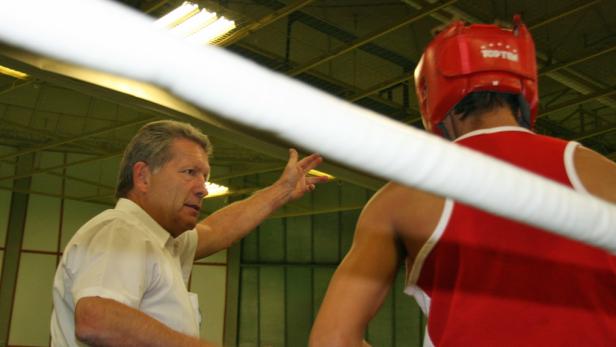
x=112, y=265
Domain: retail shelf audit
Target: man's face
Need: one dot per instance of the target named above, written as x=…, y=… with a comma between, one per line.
x=176, y=190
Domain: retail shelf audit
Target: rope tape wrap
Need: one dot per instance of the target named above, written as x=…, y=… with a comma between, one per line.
x=109, y=37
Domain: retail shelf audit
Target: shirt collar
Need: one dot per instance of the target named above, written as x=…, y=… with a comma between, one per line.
x=161, y=235
x=491, y=131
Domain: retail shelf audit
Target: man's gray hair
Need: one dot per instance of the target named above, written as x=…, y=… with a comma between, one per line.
x=151, y=145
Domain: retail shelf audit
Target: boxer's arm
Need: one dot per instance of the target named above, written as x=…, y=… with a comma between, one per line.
x=597, y=173
x=105, y=322
x=361, y=282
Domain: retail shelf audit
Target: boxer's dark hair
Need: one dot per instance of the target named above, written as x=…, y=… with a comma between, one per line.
x=485, y=101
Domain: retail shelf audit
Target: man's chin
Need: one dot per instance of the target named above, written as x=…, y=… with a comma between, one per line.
x=186, y=225
x=190, y=223
x=190, y=219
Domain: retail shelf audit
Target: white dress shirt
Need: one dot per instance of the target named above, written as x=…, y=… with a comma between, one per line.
x=124, y=255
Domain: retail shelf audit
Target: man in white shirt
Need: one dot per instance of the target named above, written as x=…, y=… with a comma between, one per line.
x=122, y=280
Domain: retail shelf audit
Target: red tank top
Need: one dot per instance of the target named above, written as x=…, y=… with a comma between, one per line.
x=488, y=281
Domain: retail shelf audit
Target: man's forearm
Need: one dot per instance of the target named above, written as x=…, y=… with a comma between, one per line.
x=228, y=225
x=104, y=322
x=223, y=228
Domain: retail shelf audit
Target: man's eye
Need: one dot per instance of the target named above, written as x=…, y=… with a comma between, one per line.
x=190, y=172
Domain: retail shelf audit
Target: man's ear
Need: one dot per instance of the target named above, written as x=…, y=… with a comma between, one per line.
x=141, y=176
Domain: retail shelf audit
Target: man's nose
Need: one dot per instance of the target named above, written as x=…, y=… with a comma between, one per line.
x=201, y=190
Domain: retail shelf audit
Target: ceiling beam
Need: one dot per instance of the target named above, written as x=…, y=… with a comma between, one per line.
x=286, y=214
x=62, y=166
x=81, y=180
x=249, y=172
x=83, y=136
x=578, y=101
x=368, y=38
x=38, y=132
x=156, y=6
x=16, y=85
x=265, y=21
x=260, y=265
x=594, y=133
x=356, y=93
x=342, y=35
x=381, y=86
x=347, y=88
x=58, y=114
x=53, y=195
x=551, y=68
x=563, y=14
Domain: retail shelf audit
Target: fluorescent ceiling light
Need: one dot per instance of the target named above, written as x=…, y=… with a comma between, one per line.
x=213, y=31
x=194, y=23
x=13, y=73
x=321, y=174
x=199, y=26
x=177, y=16
x=214, y=189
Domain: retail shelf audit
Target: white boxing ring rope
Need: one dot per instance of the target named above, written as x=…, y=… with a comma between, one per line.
x=110, y=37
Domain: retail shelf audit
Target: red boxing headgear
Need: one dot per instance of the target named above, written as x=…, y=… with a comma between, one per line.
x=480, y=57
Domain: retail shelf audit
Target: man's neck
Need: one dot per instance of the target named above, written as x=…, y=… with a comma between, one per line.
x=498, y=117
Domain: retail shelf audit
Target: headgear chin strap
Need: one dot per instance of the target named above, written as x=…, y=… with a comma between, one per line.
x=480, y=57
